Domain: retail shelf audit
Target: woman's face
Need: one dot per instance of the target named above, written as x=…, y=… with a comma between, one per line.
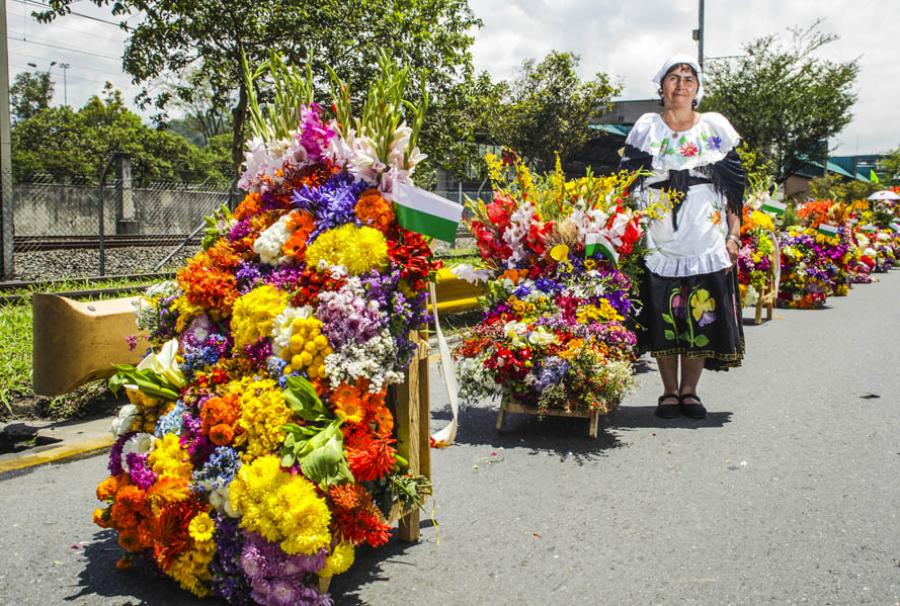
x=679, y=87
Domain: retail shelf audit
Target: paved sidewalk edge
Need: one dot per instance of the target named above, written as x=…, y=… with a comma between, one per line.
x=58, y=453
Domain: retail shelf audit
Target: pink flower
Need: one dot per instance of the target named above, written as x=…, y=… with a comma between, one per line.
x=688, y=150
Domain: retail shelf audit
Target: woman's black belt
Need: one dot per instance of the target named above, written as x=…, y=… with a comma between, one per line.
x=679, y=184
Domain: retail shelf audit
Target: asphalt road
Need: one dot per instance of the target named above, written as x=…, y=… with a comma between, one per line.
x=787, y=493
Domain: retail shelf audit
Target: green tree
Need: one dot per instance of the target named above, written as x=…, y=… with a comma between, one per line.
x=549, y=108
x=30, y=93
x=781, y=98
x=431, y=36
x=71, y=145
x=889, y=166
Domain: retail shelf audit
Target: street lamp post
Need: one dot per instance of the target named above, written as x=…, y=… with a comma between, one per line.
x=65, y=67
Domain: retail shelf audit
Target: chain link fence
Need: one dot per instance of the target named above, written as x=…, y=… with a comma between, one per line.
x=83, y=229
x=78, y=230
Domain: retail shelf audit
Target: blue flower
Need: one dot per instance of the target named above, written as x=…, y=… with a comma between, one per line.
x=332, y=204
x=713, y=142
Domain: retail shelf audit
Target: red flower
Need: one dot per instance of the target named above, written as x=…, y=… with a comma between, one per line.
x=355, y=518
x=689, y=150
x=370, y=456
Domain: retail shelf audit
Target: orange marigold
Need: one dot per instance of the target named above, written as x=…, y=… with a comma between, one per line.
x=302, y=224
x=374, y=211
x=106, y=489
x=221, y=434
x=128, y=540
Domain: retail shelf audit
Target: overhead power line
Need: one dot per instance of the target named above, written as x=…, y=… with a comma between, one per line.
x=66, y=48
x=77, y=14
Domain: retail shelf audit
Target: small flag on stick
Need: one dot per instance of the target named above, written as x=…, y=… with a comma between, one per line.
x=775, y=207
x=868, y=228
x=426, y=213
x=895, y=226
x=827, y=229
x=597, y=243
x=873, y=178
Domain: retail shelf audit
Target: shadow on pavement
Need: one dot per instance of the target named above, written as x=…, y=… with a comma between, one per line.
x=367, y=569
x=565, y=437
x=633, y=417
x=137, y=587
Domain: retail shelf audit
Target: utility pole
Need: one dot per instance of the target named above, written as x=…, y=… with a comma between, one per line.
x=65, y=67
x=6, y=189
x=698, y=36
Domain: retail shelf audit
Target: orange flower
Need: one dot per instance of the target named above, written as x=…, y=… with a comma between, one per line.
x=128, y=540
x=302, y=224
x=248, y=207
x=108, y=487
x=168, y=489
x=514, y=275
x=125, y=563
x=221, y=434
x=384, y=420
x=348, y=404
x=355, y=517
x=370, y=457
x=132, y=497
x=122, y=516
x=375, y=211
x=101, y=517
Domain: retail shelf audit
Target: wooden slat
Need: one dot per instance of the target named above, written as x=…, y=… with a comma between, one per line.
x=407, y=423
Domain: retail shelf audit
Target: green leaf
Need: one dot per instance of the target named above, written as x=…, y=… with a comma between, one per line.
x=302, y=398
x=669, y=335
x=668, y=319
x=701, y=341
x=326, y=464
x=287, y=459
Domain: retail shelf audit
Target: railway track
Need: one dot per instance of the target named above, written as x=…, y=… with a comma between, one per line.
x=42, y=243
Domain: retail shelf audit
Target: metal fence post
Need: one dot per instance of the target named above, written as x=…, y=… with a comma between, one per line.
x=6, y=188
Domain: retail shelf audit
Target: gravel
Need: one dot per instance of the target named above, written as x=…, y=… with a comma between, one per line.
x=81, y=263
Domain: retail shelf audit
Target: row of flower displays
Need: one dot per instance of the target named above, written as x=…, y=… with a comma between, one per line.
x=832, y=246
x=258, y=450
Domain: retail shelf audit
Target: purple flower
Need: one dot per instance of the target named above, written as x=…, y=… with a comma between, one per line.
x=248, y=275
x=315, y=134
x=714, y=142
x=708, y=317
x=332, y=204
x=229, y=581
x=285, y=277
x=115, y=455
x=276, y=578
x=140, y=473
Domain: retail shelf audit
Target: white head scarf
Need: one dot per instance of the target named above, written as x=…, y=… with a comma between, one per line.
x=678, y=59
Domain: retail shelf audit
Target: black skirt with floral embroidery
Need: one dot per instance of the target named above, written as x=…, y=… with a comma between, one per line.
x=697, y=316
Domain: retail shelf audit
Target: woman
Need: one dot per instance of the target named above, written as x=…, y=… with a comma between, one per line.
x=690, y=315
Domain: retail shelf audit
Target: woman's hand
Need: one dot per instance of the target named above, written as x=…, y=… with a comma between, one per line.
x=733, y=250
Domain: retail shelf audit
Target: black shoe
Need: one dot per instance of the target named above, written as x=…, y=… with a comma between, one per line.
x=693, y=410
x=667, y=411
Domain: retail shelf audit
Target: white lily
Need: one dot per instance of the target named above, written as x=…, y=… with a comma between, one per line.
x=121, y=425
x=165, y=363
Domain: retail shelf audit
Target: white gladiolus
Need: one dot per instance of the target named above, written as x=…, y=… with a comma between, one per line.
x=165, y=363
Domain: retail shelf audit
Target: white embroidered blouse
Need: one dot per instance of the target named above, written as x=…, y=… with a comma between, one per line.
x=698, y=245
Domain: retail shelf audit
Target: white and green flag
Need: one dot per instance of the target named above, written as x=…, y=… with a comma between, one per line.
x=827, y=229
x=868, y=228
x=426, y=213
x=895, y=226
x=774, y=206
x=598, y=243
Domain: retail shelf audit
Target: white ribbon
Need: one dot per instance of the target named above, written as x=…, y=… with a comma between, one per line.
x=446, y=436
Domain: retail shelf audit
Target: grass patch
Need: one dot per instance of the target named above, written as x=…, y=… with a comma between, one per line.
x=76, y=285
x=15, y=353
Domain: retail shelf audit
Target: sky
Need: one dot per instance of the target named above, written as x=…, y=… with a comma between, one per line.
x=627, y=39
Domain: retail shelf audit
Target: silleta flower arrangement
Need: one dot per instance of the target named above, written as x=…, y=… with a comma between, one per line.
x=812, y=267
x=553, y=333
x=755, y=257
x=258, y=449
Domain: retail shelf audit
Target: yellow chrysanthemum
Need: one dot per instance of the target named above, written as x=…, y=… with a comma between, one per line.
x=282, y=507
x=191, y=569
x=263, y=415
x=168, y=458
x=340, y=560
x=201, y=527
x=255, y=312
x=358, y=249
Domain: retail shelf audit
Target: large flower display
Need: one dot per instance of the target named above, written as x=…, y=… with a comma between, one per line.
x=258, y=449
x=553, y=333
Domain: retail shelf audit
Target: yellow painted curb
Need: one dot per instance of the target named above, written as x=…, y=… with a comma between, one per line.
x=55, y=454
